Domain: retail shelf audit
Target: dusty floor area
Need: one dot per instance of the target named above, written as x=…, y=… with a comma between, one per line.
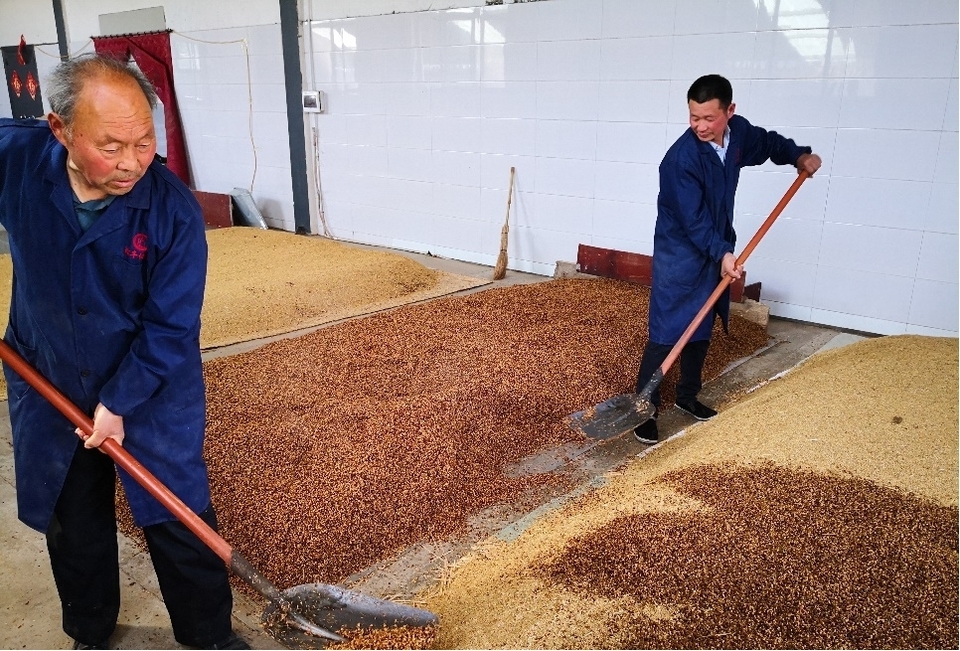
x=818, y=512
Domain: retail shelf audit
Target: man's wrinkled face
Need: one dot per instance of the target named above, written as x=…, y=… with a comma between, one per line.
x=709, y=120
x=111, y=141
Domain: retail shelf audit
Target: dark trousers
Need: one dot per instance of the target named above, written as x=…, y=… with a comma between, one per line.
x=692, y=357
x=82, y=541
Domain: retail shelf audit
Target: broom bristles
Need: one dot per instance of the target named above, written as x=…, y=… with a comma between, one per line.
x=500, y=269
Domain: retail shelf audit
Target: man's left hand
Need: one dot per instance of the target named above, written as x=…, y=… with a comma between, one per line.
x=106, y=424
x=809, y=163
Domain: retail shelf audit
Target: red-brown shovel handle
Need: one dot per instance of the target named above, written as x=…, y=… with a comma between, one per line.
x=121, y=457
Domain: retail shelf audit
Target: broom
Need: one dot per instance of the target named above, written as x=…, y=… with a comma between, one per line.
x=500, y=270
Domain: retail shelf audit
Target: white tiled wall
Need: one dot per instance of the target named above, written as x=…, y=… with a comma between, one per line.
x=230, y=89
x=427, y=112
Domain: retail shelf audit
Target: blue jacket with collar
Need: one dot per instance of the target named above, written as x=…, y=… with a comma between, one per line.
x=694, y=226
x=109, y=315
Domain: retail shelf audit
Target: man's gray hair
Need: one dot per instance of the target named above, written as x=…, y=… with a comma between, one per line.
x=67, y=80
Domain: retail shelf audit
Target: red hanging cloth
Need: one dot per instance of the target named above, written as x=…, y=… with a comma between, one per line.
x=151, y=51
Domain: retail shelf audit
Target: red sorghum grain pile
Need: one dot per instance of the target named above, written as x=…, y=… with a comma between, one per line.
x=337, y=449
x=391, y=637
x=777, y=558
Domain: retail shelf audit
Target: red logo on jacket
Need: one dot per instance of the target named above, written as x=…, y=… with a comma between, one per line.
x=138, y=248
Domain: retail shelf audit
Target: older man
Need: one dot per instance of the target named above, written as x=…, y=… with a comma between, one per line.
x=109, y=261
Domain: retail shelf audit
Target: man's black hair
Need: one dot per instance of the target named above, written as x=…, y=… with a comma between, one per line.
x=709, y=87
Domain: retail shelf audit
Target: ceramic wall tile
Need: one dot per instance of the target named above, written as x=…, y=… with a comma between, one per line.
x=456, y=168
x=793, y=102
x=565, y=177
x=459, y=27
x=878, y=202
x=934, y=305
x=870, y=249
x=562, y=213
x=926, y=51
x=409, y=132
x=574, y=139
x=941, y=214
x=456, y=134
x=460, y=201
x=455, y=99
x=511, y=23
x=508, y=136
x=511, y=99
x=627, y=182
x=621, y=221
x=947, y=170
x=568, y=60
x=938, y=258
x=631, y=142
x=881, y=296
x=894, y=103
x=634, y=101
x=857, y=322
x=574, y=100
x=460, y=63
x=867, y=153
x=508, y=62
x=569, y=20
x=495, y=175
x=631, y=18
x=640, y=58
x=787, y=282
x=895, y=12
x=800, y=54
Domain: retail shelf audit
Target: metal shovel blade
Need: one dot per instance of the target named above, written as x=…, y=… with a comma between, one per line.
x=339, y=611
x=614, y=417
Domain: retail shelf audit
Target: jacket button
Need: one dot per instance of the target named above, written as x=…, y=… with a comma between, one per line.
x=84, y=373
x=81, y=311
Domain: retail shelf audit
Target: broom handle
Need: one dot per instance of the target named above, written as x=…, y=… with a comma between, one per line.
x=724, y=283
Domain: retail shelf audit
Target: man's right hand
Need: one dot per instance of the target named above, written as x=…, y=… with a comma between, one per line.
x=729, y=267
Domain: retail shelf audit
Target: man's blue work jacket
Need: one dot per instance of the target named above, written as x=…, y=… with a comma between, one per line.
x=109, y=315
x=695, y=223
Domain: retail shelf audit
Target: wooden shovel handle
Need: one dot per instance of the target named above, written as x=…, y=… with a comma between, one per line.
x=120, y=456
x=726, y=280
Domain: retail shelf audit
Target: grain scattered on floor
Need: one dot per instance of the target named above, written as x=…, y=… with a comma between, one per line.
x=338, y=449
x=861, y=440
x=266, y=282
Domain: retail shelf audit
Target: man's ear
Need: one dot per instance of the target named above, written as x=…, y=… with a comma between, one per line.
x=731, y=109
x=58, y=127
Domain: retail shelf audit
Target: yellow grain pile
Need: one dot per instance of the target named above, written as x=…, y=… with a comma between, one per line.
x=854, y=454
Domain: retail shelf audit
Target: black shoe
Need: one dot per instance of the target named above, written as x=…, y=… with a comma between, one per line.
x=77, y=644
x=647, y=432
x=232, y=642
x=697, y=409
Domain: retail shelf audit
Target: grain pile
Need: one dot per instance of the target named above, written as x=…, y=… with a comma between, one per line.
x=776, y=558
x=819, y=512
x=396, y=637
x=264, y=282
x=338, y=449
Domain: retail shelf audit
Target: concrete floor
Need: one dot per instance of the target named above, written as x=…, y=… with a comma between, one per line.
x=29, y=607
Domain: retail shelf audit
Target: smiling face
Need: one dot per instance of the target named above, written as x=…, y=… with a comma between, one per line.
x=111, y=141
x=709, y=120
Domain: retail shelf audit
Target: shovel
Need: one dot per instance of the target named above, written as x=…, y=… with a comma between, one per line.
x=303, y=615
x=624, y=412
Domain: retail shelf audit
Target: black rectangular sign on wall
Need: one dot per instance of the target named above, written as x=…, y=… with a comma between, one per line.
x=23, y=83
